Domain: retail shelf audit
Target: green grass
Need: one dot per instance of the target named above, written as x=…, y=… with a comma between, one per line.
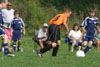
x=28, y=58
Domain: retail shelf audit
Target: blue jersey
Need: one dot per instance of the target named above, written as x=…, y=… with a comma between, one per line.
x=1, y=20
x=89, y=24
x=17, y=24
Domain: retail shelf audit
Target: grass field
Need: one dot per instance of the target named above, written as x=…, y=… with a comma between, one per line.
x=28, y=58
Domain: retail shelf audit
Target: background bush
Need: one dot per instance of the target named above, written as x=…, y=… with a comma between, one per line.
x=37, y=12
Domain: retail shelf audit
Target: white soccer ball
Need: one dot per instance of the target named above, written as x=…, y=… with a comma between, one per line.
x=80, y=53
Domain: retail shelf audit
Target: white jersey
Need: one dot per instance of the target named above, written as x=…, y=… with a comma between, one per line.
x=7, y=15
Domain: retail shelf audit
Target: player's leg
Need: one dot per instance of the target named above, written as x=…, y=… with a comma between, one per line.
x=14, y=39
x=55, y=49
x=57, y=41
x=5, y=41
x=88, y=47
x=5, y=44
x=19, y=40
x=18, y=46
x=90, y=39
x=85, y=41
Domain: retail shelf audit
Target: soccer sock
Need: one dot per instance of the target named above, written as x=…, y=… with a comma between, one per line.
x=5, y=48
x=55, y=50
x=87, y=49
x=18, y=45
x=46, y=48
x=14, y=47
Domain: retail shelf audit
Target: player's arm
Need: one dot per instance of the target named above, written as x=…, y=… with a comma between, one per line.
x=84, y=23
x=24, y=31
x=84, y=30
x=41, y=43
x=5, y=26
x=65, y=23
x=23, y=26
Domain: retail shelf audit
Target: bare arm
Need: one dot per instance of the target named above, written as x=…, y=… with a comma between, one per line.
x=84, y=30
x=24, y=32
x=66, y=27
x=41, y=43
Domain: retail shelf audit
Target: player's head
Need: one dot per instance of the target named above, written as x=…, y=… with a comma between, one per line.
x=45, y=27
x=9, y=6
x=92, y=12
x=16, y=14
x=75, y=27
x=68, y=11
x=3, y=4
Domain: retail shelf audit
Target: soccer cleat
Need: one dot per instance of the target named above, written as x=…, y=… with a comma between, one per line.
x=10, y=55
x=71, y=51
x=39, y=53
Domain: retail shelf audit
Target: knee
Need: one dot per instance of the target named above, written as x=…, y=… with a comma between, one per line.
x=59, y=42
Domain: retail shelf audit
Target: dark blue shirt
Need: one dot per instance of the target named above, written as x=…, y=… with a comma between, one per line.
x=89, y=24
x=17, y=24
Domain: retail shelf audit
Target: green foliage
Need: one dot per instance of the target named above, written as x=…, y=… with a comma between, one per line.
x=37, y=12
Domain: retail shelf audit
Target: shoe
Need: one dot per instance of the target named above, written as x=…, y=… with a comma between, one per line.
x=18, y=50
x=39, y=53
x=71, y=51
x=10, y=55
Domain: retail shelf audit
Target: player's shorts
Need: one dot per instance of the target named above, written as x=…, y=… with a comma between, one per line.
x=2, y=32
x=17, y=34
x=88, y=37
x=53, y=33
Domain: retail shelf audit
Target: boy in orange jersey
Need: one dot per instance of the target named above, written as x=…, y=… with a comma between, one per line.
x=55, y=25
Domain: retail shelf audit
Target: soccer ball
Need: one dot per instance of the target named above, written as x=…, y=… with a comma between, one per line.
x=80, y=53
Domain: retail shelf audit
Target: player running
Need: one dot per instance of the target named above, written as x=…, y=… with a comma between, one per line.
x=55, y=25
x=88, y=26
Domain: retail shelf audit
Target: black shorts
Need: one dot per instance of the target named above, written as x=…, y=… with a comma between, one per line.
x=53, y=33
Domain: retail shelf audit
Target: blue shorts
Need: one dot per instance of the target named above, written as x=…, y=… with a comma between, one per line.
x=17, y=34
x=2, y=32
x=88, y=38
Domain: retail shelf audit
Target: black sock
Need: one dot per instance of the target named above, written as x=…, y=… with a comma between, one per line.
x=46, y=48
x=55, y=50
x=18, y=45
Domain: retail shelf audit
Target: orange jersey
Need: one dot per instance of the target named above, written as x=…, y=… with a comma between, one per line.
x=59, y=19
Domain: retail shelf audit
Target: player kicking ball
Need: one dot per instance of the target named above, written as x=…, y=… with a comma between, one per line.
x=55, y=25
x=3, y=4
x=88, y=26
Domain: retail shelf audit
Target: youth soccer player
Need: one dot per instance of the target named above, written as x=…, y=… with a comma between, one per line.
x=3, y=4
x=55, y=25
x=17, y=26
x=88, y=26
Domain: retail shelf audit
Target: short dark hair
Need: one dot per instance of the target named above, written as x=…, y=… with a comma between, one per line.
x=16, y=12
x=74, y=26
x=92, y=10
x=3, y=1
x=67, y=9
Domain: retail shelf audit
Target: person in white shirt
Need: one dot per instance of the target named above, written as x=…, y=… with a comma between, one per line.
x=75, y=36
x=42, y=35
x=8, y=14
